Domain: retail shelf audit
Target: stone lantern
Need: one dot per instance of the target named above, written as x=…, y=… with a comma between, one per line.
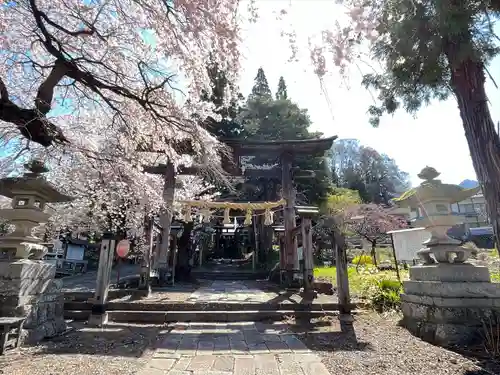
x=447, y=300
x=432, y=199
x=29, y=194
x=27, y=284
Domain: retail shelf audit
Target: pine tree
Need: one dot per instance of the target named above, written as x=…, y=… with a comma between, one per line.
x=281, y=93
x=261, y=87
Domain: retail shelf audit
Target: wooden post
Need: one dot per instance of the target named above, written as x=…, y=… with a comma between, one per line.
x=144, y=282
x=118, y=267
x=395, y=258
x=342, y=280
x=99, y=315
x=217, y=242
x=174, y=257
x=289, y=216
x=255, y=257
x=307, y=251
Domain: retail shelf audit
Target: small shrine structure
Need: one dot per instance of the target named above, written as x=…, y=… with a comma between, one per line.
x=28, y=288
x=282, y=153
x=447, y=300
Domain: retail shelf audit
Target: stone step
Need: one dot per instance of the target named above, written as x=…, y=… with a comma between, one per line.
x=85, y=295
x=229, y=276
x=161, y=317
x=205, y=306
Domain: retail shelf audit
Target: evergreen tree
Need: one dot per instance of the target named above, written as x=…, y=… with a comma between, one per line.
x=227, y=127
x=260, y=89
x=283, y=120
x=281, y=93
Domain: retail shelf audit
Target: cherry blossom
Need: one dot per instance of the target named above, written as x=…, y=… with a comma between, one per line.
x=89, y=86
x=74, y=73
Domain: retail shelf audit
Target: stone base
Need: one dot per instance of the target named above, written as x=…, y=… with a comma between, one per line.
x=28, y=289
x=47, y=330
x=450, y=273
x=448, y=321
x=452, y=290
x=443, y=334
x=98, y=320
x=450, y=304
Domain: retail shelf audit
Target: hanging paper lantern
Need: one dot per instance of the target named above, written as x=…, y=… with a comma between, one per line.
x=268, y=217
x=227, y=219
x=248, y=217
x=187, y=214
x=206, y=215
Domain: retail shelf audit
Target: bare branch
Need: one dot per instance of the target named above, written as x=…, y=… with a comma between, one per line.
x=45, y=94
x=89, y=31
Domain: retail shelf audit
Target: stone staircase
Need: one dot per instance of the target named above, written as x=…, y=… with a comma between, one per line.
x=159, y=313
x=216, y=301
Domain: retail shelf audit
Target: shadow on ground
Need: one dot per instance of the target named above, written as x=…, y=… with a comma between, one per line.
x=113, y=340
x=487, y=364
x=328, y=334
x=132, y=340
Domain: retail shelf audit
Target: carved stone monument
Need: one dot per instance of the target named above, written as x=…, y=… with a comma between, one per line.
x=446, y=300
x=27, y=284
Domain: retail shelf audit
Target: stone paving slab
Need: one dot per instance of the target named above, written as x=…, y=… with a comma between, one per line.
x=244, y=348
x=248, y=292
x=229, y=291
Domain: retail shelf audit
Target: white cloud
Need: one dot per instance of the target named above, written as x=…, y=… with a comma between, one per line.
x=435, y=137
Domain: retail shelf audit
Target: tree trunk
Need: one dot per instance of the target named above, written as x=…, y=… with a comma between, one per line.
x=374, y=253
x=467, y=81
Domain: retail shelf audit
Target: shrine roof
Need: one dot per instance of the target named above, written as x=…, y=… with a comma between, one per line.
x=307, y=146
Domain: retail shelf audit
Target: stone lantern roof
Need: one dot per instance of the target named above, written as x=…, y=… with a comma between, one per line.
x=32, y=183
x=433, y=189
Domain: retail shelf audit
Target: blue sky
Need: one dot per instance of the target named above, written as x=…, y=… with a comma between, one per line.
x=435, y=137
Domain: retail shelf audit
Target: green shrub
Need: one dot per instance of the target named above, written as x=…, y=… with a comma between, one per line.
x=386, y=295
x=362, y=260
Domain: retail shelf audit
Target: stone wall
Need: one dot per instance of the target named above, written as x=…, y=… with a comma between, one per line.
x=29, y=289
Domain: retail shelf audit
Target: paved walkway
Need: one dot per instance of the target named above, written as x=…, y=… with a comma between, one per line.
x=229, y=292
x=243, y=348
x=232, y=349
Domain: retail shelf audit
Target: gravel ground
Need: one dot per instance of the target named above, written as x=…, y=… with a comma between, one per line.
x=114, y=350
x=379, y=346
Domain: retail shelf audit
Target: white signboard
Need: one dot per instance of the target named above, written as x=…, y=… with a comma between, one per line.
x=407, y=242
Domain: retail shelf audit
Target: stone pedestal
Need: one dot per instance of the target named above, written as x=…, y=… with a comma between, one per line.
x=450, y=303
x=28, y=289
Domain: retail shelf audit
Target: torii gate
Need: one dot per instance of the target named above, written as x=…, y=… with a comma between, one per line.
x=284, y=151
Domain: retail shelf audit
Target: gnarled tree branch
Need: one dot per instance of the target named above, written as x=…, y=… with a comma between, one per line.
x=33, y=124
x=45, y=94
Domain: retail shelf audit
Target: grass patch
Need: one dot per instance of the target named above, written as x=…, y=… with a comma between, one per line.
x=495, y=277
x=359, y=281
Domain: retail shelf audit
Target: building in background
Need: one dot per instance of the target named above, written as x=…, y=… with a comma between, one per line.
x=474, y=211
